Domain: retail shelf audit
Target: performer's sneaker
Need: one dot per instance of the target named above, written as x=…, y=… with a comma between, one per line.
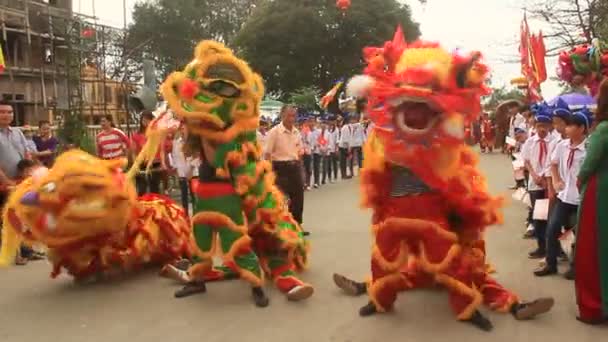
x=259, y=297
x=480, y=321
x=191, y=288
x=349, y=286
x=525, y=311
x=368, y=310
x=300, y=292
x=183, y=264
x=545, y=271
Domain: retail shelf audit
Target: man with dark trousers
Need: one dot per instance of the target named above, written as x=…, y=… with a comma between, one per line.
x=284, y=150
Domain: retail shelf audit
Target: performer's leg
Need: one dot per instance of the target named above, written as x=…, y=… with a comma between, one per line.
x=349, y=286
x=285, y=279
x=388, y=258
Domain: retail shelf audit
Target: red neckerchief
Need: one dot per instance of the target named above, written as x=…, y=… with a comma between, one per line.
x=543, y=151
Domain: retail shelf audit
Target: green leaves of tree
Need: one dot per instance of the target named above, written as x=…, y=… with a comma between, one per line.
x=301, y=43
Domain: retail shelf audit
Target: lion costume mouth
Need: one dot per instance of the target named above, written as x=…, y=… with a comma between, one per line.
x=414, y=116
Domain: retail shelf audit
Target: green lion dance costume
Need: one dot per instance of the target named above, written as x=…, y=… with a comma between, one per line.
x=239, y=212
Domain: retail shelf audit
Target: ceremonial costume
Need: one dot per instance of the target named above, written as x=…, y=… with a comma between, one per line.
x=430, y=203
x=88, y=216
x=591, y=259
x=239, y=212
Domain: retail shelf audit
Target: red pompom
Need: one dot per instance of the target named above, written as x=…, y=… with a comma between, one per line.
x=343, y=5
x=188, y=89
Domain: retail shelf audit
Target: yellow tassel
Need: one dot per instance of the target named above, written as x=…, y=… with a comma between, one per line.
x=10, y=241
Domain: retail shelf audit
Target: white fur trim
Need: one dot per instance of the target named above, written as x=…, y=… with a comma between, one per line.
x=359, y=86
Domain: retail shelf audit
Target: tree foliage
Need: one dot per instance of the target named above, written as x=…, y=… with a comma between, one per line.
x=306, y=98
x=170, y=29
x=500, y=95
x=572, y=22
x=298, y=43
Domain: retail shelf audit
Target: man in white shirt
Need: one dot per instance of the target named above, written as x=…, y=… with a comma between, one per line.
x=344, y=147
x=566, y=162
x=537, y=161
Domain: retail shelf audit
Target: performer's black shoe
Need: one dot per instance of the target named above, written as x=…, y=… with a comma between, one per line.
x=349, y=286
x=368, y=310
x=529, y=234
x=259, y=297
x=569, y=274
x=191, y=288
x=545, y=271
x=480, y=321
x=525, y=311
x=537, y=254
x=305, y=233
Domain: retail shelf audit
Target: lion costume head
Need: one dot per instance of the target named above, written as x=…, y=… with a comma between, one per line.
x=80, y=198
x=419, y=98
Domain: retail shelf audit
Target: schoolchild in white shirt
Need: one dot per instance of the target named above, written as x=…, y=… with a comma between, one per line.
x=357, y=140
x=317, y=146
x=537, y=160
x=560, y=117
x=182, y=166
x=565, y=165
x=344, y=147
x=307, y=127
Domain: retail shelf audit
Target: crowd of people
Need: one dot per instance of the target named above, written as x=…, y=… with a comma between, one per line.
x=559, y=160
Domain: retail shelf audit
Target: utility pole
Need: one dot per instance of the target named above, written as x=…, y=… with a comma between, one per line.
x=124, y=63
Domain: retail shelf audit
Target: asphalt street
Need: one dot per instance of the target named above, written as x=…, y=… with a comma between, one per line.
x=142, y=308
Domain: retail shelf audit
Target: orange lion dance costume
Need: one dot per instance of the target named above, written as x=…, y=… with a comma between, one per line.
x=430, y=203
x=88, y=216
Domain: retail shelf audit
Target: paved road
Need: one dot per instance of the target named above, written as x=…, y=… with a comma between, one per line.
x=142, y=307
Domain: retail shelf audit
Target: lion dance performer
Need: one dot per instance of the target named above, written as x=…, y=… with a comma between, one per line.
x=89, y=218
x=430, y=203
x=239, y=211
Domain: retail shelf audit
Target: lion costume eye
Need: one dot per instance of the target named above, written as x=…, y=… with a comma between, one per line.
x=223, y=89
x=49, y=187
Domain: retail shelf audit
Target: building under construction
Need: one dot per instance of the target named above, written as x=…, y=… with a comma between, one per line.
x=58, y=60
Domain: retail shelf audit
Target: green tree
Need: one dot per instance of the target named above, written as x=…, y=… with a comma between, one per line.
x=306, y=98
x=500, y=95
x=571, y=22
x=296, y=43
x=169, y=29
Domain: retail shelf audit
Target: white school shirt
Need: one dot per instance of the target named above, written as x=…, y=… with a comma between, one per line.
x=531, y=153
x=552, y=146
x=178, y=160
x=569, y=173
x=358, y=135
x=313, y=139
x=332, y=140
x=345, y=136
x=306, y=142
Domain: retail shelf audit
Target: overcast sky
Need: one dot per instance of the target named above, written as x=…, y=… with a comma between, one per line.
x=491, y=26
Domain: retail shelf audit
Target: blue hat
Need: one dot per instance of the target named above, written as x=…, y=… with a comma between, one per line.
x=582, y=117
x=519, y=130
x=542, y=112
x=561, y=110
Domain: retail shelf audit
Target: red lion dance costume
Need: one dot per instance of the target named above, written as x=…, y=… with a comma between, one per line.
x=430, y=202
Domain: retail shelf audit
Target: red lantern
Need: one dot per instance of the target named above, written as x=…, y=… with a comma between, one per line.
x=343, y=5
